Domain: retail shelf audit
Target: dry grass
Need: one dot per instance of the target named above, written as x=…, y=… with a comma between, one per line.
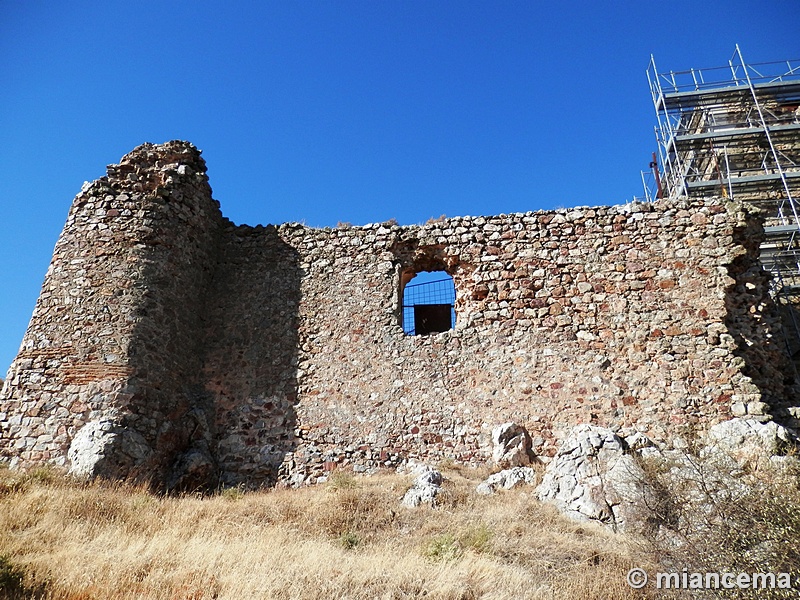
x=349, y=538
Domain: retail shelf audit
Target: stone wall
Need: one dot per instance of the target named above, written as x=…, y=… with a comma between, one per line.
x=251, y=347
x=187, y=348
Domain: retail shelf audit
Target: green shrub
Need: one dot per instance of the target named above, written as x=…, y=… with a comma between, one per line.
x=349, y=540
x=232, y=493
x=44, y=475
x=478, y=538
x=443, y=547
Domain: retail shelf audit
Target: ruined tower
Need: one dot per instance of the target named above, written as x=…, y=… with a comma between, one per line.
x=107, y=377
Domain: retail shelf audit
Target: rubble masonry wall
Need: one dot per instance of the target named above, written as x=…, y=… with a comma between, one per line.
x=181, y=343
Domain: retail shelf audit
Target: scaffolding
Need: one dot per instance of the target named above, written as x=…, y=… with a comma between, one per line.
x=734, y=132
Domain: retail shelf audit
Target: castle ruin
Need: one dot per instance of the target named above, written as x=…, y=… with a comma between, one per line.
x=171, y=344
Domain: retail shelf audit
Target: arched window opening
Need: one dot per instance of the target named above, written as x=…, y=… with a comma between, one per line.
x=429, y=299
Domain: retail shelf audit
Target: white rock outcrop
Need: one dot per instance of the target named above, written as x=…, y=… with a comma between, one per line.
x=426, y=487
x=90, y=447
x=511, y=446
x=594, y=478
x=507, y=479
x=101, y=446
x=746, y=440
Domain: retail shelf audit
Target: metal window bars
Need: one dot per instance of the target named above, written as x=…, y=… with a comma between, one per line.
x=438, y=292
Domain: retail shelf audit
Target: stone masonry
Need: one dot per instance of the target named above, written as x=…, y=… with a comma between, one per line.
x=170, y=344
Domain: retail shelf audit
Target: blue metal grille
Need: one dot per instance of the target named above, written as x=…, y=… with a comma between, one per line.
x=438, y=291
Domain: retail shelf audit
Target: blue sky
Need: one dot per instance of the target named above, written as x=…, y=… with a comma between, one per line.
x=327, y=111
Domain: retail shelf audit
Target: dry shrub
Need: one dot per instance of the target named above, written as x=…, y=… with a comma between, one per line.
x=713, y=522
x=351, y=510
x=11, y=578
x=753, y=533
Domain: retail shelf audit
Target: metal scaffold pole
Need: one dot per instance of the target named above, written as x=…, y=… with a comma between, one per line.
x=734, y=131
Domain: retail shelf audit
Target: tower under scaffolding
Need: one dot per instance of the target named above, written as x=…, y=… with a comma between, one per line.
x=734, y=131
